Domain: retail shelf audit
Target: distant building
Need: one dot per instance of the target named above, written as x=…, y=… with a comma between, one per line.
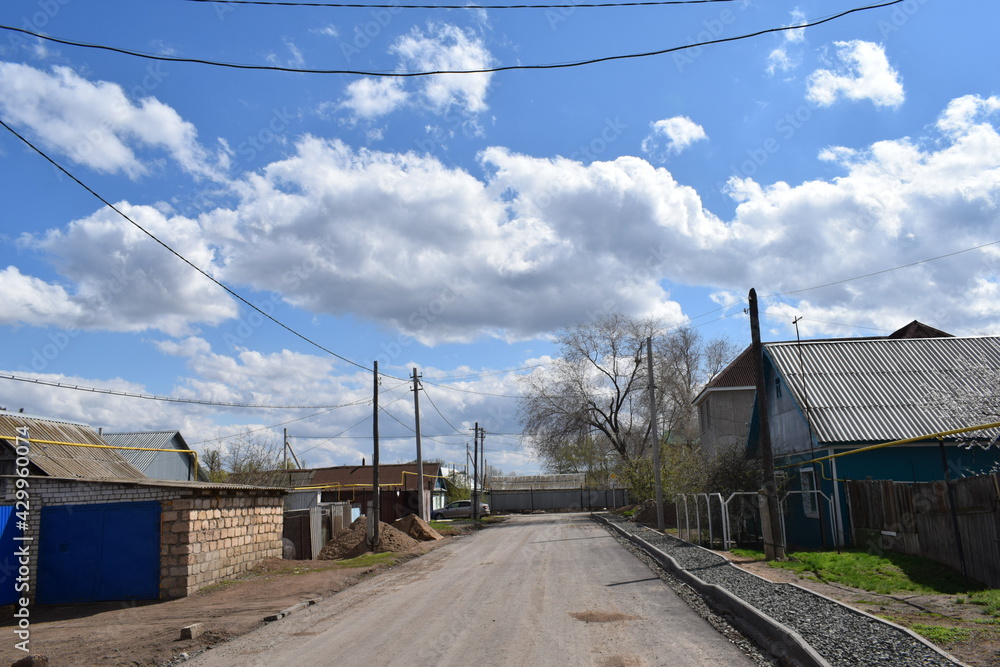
x=353, y=484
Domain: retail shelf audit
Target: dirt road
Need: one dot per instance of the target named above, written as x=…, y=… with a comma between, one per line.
x=537, y=590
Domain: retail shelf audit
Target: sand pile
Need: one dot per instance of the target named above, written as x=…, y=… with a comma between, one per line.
x=353, y=542
x=417, y=528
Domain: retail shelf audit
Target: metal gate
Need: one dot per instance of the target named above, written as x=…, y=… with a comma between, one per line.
x=89, y=553
x=8, y=562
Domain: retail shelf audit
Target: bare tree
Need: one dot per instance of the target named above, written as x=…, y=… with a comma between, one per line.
x=212, y=458
x=588, y=411
x=245, y=458
x=596, y=389
x=685, y=364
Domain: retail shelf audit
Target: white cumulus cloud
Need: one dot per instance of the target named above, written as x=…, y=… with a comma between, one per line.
x=673, y=135
x=864, y=74
x=371, y=98
x=444, y=47
x=96, y=124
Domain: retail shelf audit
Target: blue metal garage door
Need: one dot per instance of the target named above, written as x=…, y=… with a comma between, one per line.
x=8, y=562
x=89, y=553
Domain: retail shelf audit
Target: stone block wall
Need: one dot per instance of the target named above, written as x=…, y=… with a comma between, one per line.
x=212, y=536
x=208, y=532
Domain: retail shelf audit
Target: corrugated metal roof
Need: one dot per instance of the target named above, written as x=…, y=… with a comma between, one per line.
x=63, y=460
x=152, y=439
x=879, y=390
x=176, y=484
x=740, y=372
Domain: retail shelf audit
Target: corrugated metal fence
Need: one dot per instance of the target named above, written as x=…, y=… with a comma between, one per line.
x=529, y=500
x=917, y=519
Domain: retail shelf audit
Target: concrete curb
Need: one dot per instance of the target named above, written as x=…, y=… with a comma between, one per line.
x=777, y=639
x=291, y=610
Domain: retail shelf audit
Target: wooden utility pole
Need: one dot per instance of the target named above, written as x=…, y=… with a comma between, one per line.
x=421, y=505
x=774, y=547
x=660, y=524
x=475, y=473
x=377, y=510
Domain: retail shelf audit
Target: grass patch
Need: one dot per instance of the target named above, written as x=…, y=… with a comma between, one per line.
x=748, y=553
x=447, y=528
x=988, y=599
x=986, y=621
x=940, y=634
x=369, y=560
x=885, y=574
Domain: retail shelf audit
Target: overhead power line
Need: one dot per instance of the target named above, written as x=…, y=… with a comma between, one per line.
x=878, y=273
x=566, y=6
x=483, y=70
x=184, y=259
x=434, y=405
x=172, y=399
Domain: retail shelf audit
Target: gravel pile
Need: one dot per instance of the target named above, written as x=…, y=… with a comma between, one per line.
x=838, y=634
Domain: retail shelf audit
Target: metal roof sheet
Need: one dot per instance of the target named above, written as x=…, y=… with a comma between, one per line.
x=889, y=389
x=152, y=439
x=170, y=483
x=65, y=460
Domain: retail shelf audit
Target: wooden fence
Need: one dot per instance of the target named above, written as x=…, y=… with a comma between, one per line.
x=918, y=519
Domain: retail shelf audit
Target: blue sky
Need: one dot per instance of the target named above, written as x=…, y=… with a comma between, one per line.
x=453, y=222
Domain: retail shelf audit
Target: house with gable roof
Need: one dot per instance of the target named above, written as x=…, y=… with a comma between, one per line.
x=834, y=407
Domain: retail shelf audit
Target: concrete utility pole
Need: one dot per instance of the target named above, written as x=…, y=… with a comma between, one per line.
x=660, y=523
x=482, y=469
x=376, y=509
x=774, y=547
x=421, y=505
x=475, y=473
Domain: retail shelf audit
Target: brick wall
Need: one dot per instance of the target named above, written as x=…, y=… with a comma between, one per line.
x=208, y=532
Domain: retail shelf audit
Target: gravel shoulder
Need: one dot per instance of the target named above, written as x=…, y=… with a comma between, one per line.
x=980, y=647
x=841, y=636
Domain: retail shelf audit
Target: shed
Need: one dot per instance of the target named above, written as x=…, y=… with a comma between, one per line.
x=139, y=539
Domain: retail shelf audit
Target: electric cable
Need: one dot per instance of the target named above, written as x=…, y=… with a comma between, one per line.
x=483, y=70
x=434, y=405
x=169, y=399
x=184, y=259
x=276, y=3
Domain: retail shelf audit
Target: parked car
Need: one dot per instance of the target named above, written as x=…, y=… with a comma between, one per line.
x=460, y=509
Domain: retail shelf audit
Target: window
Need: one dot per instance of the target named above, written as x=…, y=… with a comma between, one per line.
x=810, y=501
x=777, y=387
